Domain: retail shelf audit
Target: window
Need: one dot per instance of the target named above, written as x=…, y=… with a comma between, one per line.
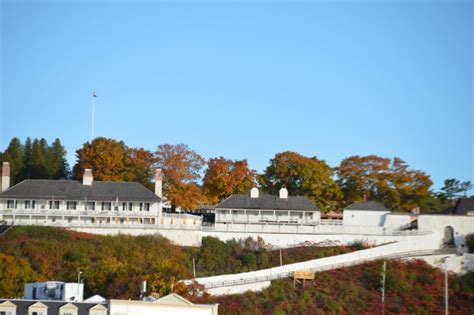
x=147, y=206
x=11, y=204
x=124, y=206
x=30, y=204
x=71, y=205
x=130, y=206
x=6, y=312
x=141, y=206
x=53, y=204
x=90, y=205
x=106, y=206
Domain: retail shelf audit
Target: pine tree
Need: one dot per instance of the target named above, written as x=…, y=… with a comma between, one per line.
x=38, y=160
x=26, y=169
x=58, y=166
x=14, y=155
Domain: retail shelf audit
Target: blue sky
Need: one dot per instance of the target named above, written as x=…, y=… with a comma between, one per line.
x=246, y=79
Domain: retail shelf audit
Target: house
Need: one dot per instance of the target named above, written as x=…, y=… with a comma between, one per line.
x=50, y=300
x=98, y=207
x=366, y=213
x=256, y=208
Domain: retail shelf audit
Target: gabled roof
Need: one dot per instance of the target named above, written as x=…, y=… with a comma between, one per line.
x=462, y=206
x=75, y=190
x=173, y=299
x=367, y=206
x=268, y=202
x=53, y=306
x=68, y=306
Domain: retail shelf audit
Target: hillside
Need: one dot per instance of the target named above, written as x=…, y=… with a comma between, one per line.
x=113, y=266
x=411, y=288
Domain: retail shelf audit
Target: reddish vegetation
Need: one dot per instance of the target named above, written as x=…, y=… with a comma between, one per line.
x=411, y=288
x=81, y=235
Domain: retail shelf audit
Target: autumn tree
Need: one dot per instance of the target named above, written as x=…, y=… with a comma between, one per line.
x=383, y=179
x=181, y=171
x=301, y=175
x=112, y=160
x=225, y=177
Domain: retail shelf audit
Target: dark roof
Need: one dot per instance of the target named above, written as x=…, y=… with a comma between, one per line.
x=462, y=206
x=268, y=202
x=368, y=206
x=75, y=190
x=53, y=306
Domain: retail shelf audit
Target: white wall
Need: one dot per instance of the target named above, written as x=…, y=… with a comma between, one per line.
x=459, y=264
x=462, y=225
x=364, y=217
x=121, y=307
x=282, y=240
x=396, y=220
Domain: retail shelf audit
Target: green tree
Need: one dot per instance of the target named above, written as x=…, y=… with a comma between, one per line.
x=58, y=166
x=14, y=155
x=28, y=147
x=38, y=166
x=301, y=175
x=452, y=187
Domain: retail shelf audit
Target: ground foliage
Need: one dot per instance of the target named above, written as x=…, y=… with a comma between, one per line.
x=411, y=288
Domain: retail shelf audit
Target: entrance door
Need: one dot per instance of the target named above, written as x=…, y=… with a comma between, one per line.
x=448, y=240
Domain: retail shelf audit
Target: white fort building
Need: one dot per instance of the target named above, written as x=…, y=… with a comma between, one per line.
x=95, y=207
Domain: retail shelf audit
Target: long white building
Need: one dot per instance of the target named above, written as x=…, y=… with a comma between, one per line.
x=95, y=207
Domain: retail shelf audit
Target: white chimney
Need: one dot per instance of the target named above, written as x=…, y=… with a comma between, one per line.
x=158, y=183
x=254, y=192
x=5, y=176
x=87, y=178
x=284, y=193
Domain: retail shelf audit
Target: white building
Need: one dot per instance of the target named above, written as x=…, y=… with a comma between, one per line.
x=258, y=209
x=367, y=213
x=95, y=207
x=54, y=297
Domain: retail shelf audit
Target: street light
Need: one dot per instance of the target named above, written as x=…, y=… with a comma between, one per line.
x=446, y=284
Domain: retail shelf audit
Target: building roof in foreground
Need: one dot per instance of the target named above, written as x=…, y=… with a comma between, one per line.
x=75, y=190
x=461, y=207
x=268, y=202
x=367, y=206
x=53, y=306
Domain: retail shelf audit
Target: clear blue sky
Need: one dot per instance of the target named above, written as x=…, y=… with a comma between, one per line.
x=246, y=79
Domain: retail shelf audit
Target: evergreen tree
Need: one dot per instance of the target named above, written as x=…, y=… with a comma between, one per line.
x=27, y=159
x=58, y=166
x=38, y=167
x=14, y=155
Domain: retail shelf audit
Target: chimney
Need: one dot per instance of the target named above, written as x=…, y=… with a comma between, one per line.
x=254, y=192
x=5, y=176
x=284, y=192
x=87, y=178
x=158, y=183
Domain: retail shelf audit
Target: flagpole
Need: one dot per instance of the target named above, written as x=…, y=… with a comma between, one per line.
x=93, y=116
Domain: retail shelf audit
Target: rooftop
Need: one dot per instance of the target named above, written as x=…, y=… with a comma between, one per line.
x=75, y=190
x=461, y=207
x=367, y=206
x=268, y=202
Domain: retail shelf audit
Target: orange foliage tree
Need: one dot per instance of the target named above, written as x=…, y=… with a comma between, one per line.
x=181, y=171
x=225, y=177
x=112, y=160
x=383, y=179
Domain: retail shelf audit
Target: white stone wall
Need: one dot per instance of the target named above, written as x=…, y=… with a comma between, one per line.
x=396, y=220
x=364, y=217
x=461, y=224
x=180, y=237
x=282, y=240
x=455, y=263
x=122, y=307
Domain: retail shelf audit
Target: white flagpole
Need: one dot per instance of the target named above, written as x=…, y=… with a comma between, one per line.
x=93, y=116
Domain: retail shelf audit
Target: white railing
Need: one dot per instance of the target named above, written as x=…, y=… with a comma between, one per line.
x=282, y=275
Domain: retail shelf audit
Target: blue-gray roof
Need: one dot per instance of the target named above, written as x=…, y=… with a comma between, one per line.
x=75, y=190
x=268, y=202
x=368, y=206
